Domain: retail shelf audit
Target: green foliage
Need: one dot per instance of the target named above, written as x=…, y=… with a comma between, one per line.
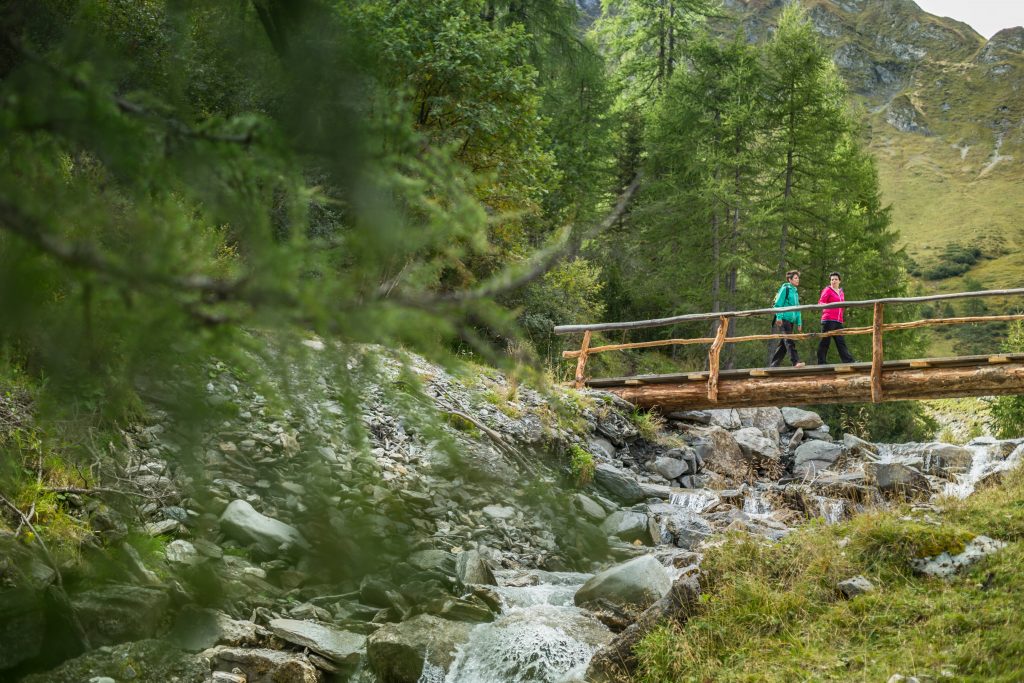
x=581, y=463
x=649, y=424
x=1008, y=411
x=887, y=423
x=569, y=293
x=955, y=259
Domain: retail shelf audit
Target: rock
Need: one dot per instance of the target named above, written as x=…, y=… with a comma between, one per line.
x=589, y=507
x=627, y=525
x=813, y=456
x=679, y=526
x=243, y=523
x=855, y=586
x=796, y=439
x=752, y=443
x=726, y=418
x=670, y=468
x=897, y=480
x=341, y=647
x=472, y=568
x=768, y=420
x=268, y=666
x=819, y=435
x=698, y=416
x=499, y=511
x=470, y=609
x=662, y=491
x=225, y=677
x=619, y=485
x=640, y=582
x=858, y=447
x=795, y=417
x=946, y=565
x=163, y=527
x=945, y=459
x=396, y=652
x=617, y=661
x=197, y=629
x=182, y=552
x=140, y=661
x=22, y=625
x=119, y=612
x=601, y=447
x=434, y=560
x=721, y=454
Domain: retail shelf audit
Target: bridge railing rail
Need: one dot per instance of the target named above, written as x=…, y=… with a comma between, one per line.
x=876, y=330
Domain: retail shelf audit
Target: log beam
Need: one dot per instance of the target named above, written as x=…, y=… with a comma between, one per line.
x=900, y=384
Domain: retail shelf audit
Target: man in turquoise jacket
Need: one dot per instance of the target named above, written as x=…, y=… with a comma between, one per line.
x=785, y=323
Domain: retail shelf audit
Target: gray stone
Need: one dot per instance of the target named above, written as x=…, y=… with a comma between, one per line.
x=433, y=560
x=22, y=625
x=679, y=526
x=268, y=666
x=619, y=485
x=640, y=582
x=670, y=468
x=499, y=511
x=472, y=568
x=897, y=480
x=662, y=491
x=946, y=565
x=796, y=417
x=698, y=416
x=813, y=456
x=197, y=629
x=627, y=525
x=163, y=527
x=819, y=435
x=601, y=447
x=796, y=439
x=182, y=552
x=768, y=420
x=721, y=454
x=752, y=443
x=589, y=507
x=726, y=418
x=341, y=647
x=858, y=447
x=396, y=652
x=119, y=612
x=243, y=523
x=857, y=585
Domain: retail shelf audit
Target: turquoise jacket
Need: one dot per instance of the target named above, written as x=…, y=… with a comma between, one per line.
x=788, y=296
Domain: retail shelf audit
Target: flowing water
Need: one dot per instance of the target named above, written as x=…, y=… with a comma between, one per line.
x=987, y=460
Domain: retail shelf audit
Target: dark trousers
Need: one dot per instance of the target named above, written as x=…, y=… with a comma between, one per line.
x=785, y=327
x=844, y=353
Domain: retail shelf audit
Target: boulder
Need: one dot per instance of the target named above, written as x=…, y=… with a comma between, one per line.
x=858, y=447
x=897, y=480
x=601, y=447
x=726, y=418
x=752, y=443
x=431, y=560
x=472, y=568
x=640, y=582
x=196, y=629
x=627, y=525
x=182, y=552
x=679, y=526
x=617, y=661
x=670, y=468
x=698, y=416
x=796, y=417
x=119, y=612
x=243, y=523
x=812, y=456
x=721, y=454
x=397, y=652
x=768, y=420
x=137, y=661
x=620, y=485
x=589, y=508
x=268, y=666
x=341, y=647
x=22, y=625
x=946, y=565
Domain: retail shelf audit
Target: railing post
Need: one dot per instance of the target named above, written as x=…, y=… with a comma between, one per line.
x=713, y=355
x=581, y=362
x=876, y=354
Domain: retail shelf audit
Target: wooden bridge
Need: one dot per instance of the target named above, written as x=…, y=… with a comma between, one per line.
x=876, y=381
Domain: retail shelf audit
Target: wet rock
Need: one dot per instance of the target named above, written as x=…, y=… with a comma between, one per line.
x=813, y=456
x=472, y=568
x=858, y=447
x=946, y=565
x=680, y=527
x=617, y=661
x=640, y=582
x=857, y=585
x=589, y=508
x=268, y=666
x=116, y=613
x=396, y=652
x=341, y=647
x=619, y=485
x=897, y=480
x=628, y=526
x=243, y=523
x=796, y=417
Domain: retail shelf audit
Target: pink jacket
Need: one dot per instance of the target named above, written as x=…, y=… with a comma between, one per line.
x=831, y=296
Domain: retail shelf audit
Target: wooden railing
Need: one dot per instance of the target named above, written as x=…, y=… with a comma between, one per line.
x=876, y=330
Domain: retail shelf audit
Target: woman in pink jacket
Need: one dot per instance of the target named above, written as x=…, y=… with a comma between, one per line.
x=832, y=320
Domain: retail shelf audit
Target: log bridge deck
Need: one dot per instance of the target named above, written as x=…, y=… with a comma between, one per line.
x=875, y=381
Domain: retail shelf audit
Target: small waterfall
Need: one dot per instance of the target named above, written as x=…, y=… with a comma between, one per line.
x=832, y=510
x=755, y=505
x=985, y=462
x=695, y=500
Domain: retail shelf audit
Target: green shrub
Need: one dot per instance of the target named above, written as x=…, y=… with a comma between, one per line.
x=581, y=461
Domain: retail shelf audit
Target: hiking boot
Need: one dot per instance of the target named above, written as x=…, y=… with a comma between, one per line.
x=799, y=365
